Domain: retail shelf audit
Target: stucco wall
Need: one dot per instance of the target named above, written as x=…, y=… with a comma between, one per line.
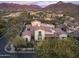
x=63, y=35
x=28, y=37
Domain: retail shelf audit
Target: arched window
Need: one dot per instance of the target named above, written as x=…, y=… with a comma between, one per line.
x=39, y=35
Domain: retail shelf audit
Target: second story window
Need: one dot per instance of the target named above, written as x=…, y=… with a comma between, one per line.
x=28, y=29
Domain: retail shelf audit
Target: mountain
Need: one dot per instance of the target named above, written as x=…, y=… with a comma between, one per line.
x=12, y=6
x=67, y=8
x=61, y=5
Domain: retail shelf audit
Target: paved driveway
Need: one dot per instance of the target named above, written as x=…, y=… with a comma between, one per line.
x=4, y=54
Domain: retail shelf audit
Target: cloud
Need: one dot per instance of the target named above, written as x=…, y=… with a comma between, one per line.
x=45, y=3
x=18, y=2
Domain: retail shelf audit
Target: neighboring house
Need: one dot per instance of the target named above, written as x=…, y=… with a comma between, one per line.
x=61, y=34
x=39, y=31
x=74, y=34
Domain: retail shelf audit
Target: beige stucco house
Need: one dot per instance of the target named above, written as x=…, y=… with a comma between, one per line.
x=39, y=31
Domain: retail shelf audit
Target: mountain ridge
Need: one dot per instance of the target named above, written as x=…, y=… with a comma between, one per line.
x=18, y=6
x=57, y=6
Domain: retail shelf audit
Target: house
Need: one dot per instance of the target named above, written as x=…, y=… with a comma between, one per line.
x=74, y=34
x=39, y=31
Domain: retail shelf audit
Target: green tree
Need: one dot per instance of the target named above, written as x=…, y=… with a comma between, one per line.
x=19, y=42
x=3, y=27
x=58, y=48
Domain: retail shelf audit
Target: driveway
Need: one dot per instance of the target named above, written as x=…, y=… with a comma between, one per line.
x=4, y=54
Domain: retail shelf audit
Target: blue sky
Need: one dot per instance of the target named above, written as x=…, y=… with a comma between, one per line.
x=40, y=3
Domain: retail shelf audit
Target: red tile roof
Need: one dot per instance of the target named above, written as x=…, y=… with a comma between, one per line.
x=44, y=28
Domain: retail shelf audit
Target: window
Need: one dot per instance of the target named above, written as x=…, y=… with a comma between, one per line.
x=28, y=29
x=39, y=35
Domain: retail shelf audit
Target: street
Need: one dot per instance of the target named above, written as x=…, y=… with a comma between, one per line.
x=4, y=54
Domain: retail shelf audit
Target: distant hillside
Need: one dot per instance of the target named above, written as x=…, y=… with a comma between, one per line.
x=68, y=8
x=12, y=6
